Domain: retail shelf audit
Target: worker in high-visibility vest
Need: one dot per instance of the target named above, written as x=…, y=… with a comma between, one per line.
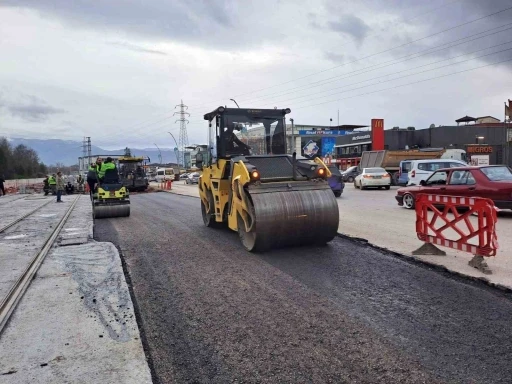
x=52, y=182
x=92, y=177
x=107, y=165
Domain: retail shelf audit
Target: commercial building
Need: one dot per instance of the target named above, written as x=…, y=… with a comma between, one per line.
x=484, y=138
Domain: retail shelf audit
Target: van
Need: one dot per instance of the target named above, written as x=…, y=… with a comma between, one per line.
x=403, y=172
x=422, y=169
x=164, y=174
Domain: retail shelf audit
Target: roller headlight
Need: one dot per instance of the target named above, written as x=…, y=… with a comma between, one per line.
x=255, y=175
x=321, y=172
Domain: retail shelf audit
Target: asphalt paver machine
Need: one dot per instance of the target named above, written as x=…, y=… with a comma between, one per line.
x=132, y=171
x=110, y=198
x=272, y=199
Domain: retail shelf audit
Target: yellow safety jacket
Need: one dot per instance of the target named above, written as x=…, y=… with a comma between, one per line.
x=104, y=168
x=51, y=180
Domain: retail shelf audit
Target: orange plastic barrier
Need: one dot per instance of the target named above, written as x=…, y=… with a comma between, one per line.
x=166, y=185
x=432, y=228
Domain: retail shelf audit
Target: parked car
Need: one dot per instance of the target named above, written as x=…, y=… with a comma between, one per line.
x=373, y=178
x=192, y=178
x=422, y=169
x=350, y=174
x=490, y=181
x=336, y=181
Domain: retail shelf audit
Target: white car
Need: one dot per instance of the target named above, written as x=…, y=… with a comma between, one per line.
x=421, y=170
x=373, y=178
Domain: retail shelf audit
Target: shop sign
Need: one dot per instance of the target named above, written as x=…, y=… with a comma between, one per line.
x=477, y=160
x=479, y=149
x=323, y=133
x=361, y=137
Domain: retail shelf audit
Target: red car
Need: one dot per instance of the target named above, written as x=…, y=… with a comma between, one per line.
x=491, y=181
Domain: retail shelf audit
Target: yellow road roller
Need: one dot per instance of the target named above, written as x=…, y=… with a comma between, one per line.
x=111, y=198
x=250, y=182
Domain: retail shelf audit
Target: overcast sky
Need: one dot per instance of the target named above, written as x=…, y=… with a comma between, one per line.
x=115, y=69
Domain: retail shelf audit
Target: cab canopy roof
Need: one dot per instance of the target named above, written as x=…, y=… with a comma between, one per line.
x=132, y=159
x=253, y=112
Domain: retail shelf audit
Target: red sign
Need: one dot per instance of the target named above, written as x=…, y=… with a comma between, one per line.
x=377, y=134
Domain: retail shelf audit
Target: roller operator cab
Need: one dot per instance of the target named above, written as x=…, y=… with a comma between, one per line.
x=110, y=198
x=250, y=183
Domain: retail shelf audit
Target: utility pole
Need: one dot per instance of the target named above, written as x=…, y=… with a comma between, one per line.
x=89, y=151
x=183, y=137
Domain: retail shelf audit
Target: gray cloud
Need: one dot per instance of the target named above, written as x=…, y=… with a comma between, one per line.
x=337, y=58
x=350, y=25
x=136, y=48
x=30, y=108
x=187, y=21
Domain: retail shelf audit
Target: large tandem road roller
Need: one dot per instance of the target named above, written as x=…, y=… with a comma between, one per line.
x=250, y=183
x=111, y=198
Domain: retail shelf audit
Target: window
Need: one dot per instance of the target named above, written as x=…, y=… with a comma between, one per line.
x=406, y=167
x=374, y=170
x=497, y=173
x=437, y=178
x=454, y=165
x=160, y=173
x=462, y=178
x=169, y=172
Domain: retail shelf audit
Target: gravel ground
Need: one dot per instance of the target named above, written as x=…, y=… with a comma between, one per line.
x=211, y=312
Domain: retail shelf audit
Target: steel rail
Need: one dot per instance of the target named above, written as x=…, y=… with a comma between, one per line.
x=22, y=217
x=15, y=294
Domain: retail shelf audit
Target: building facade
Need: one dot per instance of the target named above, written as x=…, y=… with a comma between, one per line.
x=487, y=139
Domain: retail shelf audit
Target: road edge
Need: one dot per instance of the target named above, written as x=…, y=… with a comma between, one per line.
x=416, y=260
x=138, y=317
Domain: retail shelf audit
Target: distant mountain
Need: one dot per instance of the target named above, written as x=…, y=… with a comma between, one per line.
x=54, y=151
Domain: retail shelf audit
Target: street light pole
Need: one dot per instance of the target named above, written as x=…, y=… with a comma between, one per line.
x=159, y=154
x=293, y=136
x=233, y=100
x=177, y=149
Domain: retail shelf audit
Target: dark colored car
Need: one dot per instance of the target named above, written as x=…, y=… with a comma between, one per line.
x=350, y=174
x=491, y=181
x=336, y=180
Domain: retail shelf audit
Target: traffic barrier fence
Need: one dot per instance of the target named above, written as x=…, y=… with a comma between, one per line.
x=466, y=224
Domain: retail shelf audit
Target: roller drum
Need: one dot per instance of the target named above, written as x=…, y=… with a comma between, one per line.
x=292, y=218
x=108, y=211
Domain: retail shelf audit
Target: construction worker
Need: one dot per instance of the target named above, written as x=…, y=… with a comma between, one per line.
x=92, y=177
x=46, y=186
x=52, y=182
x=107, y=165
x=59, y=183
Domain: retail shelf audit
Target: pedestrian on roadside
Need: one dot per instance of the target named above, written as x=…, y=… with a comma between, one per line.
x=2, y=188
x=59, y=183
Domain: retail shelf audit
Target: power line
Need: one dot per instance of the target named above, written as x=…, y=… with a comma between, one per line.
x=372, y=55
x=377, y=53
x=404, y=85
x=385, y=64
x=413, y=74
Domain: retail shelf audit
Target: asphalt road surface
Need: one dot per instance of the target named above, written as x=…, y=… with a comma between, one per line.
x=210, y=312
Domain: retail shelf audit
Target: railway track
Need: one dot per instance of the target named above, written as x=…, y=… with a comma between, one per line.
x=15, y=293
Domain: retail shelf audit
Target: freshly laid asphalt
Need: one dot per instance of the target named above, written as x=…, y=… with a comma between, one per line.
x=210, y=312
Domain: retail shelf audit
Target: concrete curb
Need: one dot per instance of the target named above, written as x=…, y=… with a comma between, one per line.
x=408, y=258
x=418, y=261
